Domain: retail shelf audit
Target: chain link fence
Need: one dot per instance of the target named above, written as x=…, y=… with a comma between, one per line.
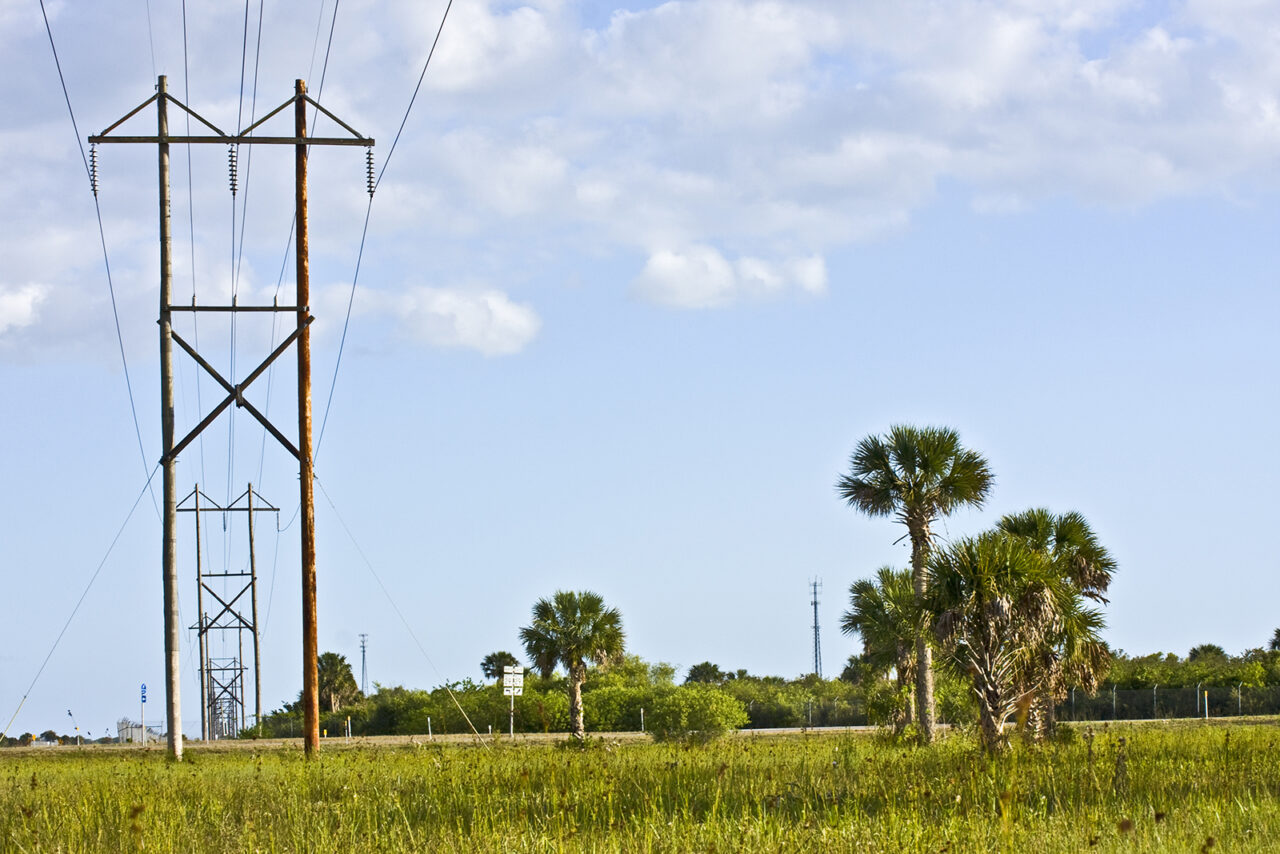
x=1121, y=704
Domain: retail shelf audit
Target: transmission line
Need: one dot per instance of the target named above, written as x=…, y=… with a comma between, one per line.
x=391, y=600
x=191, y=222
x=365, y=231
x=102, y=238
x=145, y=487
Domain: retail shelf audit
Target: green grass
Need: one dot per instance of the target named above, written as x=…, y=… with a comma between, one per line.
x=1181, y=786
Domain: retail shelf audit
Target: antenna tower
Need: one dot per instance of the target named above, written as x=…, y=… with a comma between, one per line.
x=815, y=587
x=364, y=669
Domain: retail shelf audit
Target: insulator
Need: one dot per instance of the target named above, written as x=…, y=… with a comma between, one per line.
x=368, y=162
x=93, y=169
x=231, y=166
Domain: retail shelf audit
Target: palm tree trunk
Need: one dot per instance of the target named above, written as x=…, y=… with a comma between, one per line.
x=919, y=530
x=578, y=730
x=906, y=680
x=992, y=733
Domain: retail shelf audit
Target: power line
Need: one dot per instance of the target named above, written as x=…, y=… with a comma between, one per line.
x=191, y=222
x=391, y=600
x=102, y=237
x=324, y=70
x=151, y=39
x=145, y=487
x=342, y=342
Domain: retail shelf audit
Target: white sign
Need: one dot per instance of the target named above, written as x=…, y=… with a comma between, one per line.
x=512, y=681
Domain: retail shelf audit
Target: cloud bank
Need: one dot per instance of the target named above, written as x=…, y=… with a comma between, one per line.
x=728, y=146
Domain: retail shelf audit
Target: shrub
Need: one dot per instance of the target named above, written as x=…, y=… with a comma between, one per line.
x=695, y=713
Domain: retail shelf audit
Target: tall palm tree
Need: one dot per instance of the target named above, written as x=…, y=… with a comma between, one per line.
x=884, y=612
x=916, y=475
x=572, y=629
x=1074, y=655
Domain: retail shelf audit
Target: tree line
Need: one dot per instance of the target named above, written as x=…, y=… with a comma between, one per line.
x=1001, y=625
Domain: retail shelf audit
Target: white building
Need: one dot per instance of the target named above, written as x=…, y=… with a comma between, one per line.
x=129, y=732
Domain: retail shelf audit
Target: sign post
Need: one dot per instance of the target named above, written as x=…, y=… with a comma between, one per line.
x=143, y=714
x=512, y=686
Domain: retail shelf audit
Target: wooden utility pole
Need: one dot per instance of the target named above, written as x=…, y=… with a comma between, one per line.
x=169, y=549
x=235, y=391
x=223, y=698
x=306, y=473
x=201, y=634
x=257, y=653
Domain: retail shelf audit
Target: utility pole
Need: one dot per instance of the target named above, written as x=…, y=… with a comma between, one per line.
x=169, y=550
x=257, y=652
x=364, y=670
x=310, y=646
x=219, y=692
x=815, y=587
x=235, y=391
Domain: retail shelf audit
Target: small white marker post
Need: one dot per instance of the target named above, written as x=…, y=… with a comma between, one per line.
x=512, y=686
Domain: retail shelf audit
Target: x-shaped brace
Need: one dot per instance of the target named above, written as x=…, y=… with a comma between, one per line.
x=228, y=607
x=235, y=393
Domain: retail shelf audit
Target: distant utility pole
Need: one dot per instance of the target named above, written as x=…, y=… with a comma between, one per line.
x=364, y=669
x=235, y=391
x=230, y=616
x=815, y=587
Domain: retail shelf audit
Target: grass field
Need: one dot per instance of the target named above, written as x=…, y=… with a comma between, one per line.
x=1135, y=788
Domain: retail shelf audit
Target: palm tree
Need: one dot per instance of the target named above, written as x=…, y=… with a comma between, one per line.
x=336, y=683
x=998, y=604
x=572, y=629
x=491, y=665
x=885, y=614
x=1078, y=557
x=1070, y=543
x=916, y=475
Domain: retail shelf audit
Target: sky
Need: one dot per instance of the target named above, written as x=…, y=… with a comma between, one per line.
x=637, y=277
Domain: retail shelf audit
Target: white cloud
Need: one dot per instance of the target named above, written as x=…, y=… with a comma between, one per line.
x=721, y=59
x=701, y=277
x=485, y=48
x=487, y=321
x=771, y=130
x=18, y=306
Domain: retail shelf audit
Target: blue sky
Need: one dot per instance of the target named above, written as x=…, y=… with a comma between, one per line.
x=637, y=279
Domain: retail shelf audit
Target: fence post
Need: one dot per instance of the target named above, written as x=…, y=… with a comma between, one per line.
x=1240, y=699
x=1113, y=702
x=1155, y=712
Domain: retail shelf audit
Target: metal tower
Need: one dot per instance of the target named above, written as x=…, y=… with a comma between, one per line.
x=815, y=587
x=364, y=670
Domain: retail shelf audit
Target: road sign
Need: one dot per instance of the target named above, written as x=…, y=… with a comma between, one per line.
x=144, y=692
x=512, y=681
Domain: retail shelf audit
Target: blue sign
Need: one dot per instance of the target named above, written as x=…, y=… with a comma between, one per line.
x=144, y=692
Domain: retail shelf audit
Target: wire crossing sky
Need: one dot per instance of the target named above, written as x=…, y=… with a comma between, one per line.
x=637, y=280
